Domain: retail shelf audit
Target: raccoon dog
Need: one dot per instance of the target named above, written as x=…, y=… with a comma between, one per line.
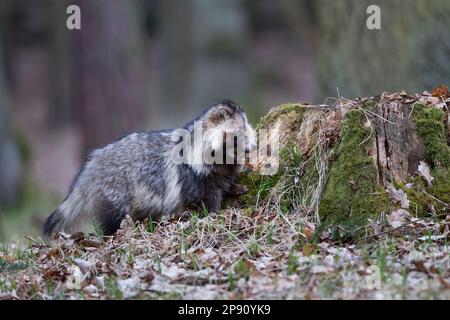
x=138, y=175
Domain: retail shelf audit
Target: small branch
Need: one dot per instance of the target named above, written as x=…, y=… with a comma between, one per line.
x=399, y=227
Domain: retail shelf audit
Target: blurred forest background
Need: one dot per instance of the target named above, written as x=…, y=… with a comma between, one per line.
x=148, y=64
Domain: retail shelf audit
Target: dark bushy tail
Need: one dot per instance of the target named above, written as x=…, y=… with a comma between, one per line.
x=52, y=223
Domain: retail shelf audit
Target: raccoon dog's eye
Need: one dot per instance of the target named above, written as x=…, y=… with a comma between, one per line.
x=222, y=115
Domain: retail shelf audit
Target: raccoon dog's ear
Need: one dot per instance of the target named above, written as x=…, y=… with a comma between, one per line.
x=221, y=113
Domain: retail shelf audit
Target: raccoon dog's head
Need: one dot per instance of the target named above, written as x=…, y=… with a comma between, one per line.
x=227, y=129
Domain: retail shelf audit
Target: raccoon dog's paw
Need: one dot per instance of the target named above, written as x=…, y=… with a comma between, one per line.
x=237, y=189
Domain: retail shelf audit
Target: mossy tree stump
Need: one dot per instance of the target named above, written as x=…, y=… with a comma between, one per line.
x=339, y=163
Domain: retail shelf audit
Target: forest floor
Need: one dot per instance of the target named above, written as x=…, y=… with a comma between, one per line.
x=237, y=254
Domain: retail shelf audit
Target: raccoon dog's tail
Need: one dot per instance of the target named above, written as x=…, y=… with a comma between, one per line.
x=70, y=214
x=53, y=223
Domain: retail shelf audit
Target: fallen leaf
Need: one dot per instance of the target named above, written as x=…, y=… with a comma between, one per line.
x=50, y=273
x=8, y=296
x=77, y=236
x=172, y=272
x=9, y=258
x=129, y=287
x=398, y=195
x=420, y=266
x=424, y=171
x=321, y=269
x=148, y=276
x=397, y=218
x=440, y=91
x=308, y=230
x=75, y=279
x=375, y=225
x=90, y=289
x=84, y=265
x=89, y=243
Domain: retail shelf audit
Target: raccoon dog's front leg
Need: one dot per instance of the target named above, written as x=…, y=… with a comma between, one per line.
x=213, y=201
x=236, y=189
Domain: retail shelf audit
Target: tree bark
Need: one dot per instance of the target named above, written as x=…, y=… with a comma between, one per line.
x=360, y=158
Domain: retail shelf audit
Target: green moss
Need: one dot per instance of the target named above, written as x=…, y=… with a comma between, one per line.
x=424, y=199
x=417, y=198
x=352, y=193
x=429, y=122
x=294, y=111
x=441, y=185
x=259, y=186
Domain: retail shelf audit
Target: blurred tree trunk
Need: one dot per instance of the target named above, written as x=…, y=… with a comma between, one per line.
x=202, y=56
x=220, y=70
x=409, y=52
x=109, y=76
x=10, y=162
x=59, y=64
x=176, y=58
x=6, y=35
x=299, y=16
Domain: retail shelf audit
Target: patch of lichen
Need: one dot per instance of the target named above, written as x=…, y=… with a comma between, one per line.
x=352, y=193
x=294, y=112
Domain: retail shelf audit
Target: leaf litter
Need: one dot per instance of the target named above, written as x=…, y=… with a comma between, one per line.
x=231, y=255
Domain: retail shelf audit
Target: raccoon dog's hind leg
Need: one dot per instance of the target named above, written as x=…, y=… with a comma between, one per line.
x=109, y=217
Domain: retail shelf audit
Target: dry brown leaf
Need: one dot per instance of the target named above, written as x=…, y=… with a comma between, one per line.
x=9, y=258
x=440, y=91
x=308, y=230
x=307, y=249
x=148, y=276
x=89, y=243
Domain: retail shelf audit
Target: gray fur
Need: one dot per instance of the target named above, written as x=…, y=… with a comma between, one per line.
x=134, y=176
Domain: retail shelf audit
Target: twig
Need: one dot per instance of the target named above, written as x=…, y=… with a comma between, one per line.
x=399, y=227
